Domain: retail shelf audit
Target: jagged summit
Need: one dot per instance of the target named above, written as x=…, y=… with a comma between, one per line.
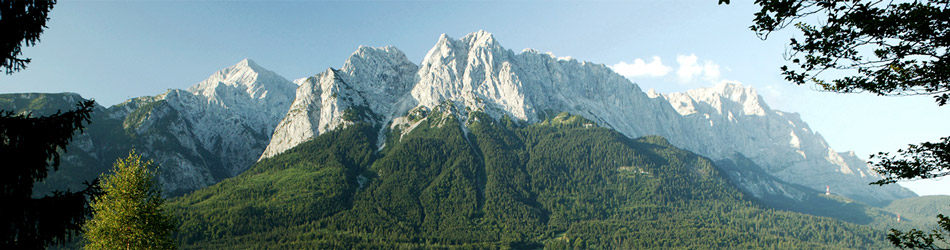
x=246, y=78
x=469, y=71
x=244, y=83
x=480, y=38
x=780, y=142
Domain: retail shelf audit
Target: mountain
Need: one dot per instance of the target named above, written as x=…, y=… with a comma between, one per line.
x=214, y=130
x=476, y=74
x=245, y=113
x=481, y=147
x=560, y=183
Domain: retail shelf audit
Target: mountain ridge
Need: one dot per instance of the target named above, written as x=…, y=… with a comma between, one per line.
x=476, y=73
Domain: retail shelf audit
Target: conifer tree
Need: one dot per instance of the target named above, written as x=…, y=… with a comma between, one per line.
x=130, y=214
x=21, y=23
x=31, y=145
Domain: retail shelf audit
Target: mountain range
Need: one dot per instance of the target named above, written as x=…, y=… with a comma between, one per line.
x=245, y=113
x=476, y=74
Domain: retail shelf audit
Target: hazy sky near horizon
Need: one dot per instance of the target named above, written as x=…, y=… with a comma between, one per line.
x=115, y=50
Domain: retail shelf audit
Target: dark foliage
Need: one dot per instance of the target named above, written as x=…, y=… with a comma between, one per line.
x=883, y=47
x=21, y=23
x=34, y=145
x=924, y=161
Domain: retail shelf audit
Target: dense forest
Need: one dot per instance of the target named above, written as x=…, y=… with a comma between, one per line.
x=494, y=184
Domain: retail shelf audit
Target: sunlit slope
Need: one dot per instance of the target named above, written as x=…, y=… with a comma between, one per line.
x=558, y=184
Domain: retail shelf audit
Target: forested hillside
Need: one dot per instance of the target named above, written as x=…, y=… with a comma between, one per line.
x=559, y=184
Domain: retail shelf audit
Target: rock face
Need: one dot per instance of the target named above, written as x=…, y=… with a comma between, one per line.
x=729, y=118
x=214, y=130
x=372, y=86
x=475, y=73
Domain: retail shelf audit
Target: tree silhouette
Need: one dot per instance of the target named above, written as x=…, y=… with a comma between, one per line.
x=31, y=145
x=22, y=22
x=881, y=47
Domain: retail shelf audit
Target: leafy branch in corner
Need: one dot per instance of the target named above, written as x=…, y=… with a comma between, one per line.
x=924, y=161
x=880, y=47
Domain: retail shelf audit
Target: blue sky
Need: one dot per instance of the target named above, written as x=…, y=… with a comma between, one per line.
x=115, y=50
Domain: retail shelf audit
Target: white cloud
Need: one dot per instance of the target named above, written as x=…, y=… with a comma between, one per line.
x=690, y=69
x=641, y=68
x=710, y=71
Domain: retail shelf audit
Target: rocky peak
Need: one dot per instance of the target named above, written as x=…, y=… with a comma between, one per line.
x=384, y=74
x=749, y=98
x=252, y=92
x=378, y=60
x=245, y=78
x=218, y=127
x=372, y=86
x=480, y=38
x=474, y=72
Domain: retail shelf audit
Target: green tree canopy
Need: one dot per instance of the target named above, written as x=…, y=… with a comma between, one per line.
x=130, y=213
